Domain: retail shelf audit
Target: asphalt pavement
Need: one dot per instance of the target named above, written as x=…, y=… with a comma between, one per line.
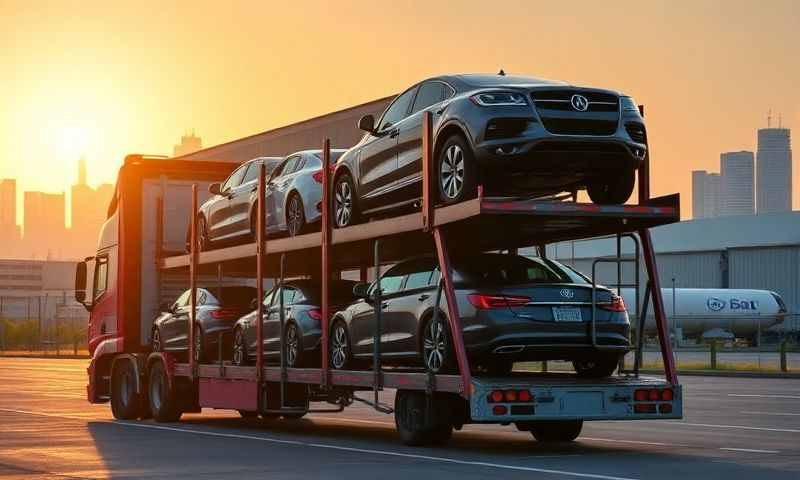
x=733, y=428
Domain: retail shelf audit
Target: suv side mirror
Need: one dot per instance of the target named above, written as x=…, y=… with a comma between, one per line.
x=214, y=188
x=80, y=283
x=367, y=123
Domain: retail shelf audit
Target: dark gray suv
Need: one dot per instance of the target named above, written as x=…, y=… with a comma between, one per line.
x=516, y=136
x=512, y=308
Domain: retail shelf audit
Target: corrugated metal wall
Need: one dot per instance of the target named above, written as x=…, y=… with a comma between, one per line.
x=768, y=268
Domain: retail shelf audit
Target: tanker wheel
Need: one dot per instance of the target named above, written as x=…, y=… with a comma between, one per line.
x=125, y=401
x=164, y=402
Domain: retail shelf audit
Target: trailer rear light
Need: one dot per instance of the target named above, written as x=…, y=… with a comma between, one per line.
x=525, y=396
x=667, y=395
x=653, y=395
x=640, y=395
x=223, y=314
x=496, y=396
x=489, y=302
x=315, y=314
x=665, y=408
x=499, y=410
x=511, y=395
x=617, y=304
x=644, y=408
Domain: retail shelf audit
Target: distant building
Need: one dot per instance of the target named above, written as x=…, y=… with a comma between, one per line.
x=774, y=170
x=88, y=212
x=737, y=196
x=36, y=289
x=10, y=235
x=45, y=230
x=189, y=144
x=706, y=196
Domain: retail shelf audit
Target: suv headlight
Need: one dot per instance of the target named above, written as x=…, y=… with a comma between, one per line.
x=627, y=104
x=497, y=99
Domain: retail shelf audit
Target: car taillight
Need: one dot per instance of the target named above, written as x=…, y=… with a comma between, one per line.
x=317, y=176
x=223, y=314
x=617, y=304
x=488, y=302
x=315, y=313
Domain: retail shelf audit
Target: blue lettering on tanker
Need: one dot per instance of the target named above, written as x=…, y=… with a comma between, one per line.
x=716, y=305
x=743, y=304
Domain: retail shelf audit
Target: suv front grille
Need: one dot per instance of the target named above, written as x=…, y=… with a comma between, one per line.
x=559, y=117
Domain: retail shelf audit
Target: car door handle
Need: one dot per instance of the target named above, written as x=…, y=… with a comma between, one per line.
x=394, y=133
x=423, y=297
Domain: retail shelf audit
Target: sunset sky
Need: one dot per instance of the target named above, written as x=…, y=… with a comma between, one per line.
x=103, y=79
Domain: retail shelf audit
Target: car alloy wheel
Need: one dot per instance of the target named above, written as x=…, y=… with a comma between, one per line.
x=339, y=347
x=157, y=347
x=239, y=349
x=451, y=171
x=343, y=203
x=435, y=346
x=292, y=345
x=294, y=216
x=198, y=344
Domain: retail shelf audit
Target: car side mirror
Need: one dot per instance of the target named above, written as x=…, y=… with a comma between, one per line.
x=361, y=290
x=214, y=188
x=367, y=123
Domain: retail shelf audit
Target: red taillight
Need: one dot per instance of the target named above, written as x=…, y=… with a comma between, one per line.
x=315, y=313
x=617, y=304
x=665, y=408
x=317, y=176
x=524, y=396
x=653, y=395
x=223, y=313
x=499, y=410
x=488, y=302
x=511, y=395
x=496, y=396
x=667, y=395
x=640, y=395
x=644, y=408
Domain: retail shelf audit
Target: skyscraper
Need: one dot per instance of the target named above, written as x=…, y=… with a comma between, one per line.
x=737, y=197
x=712, y=204
x=706, y=195
x=44, y=228
x=8, y=202
x=88, y=212
x=774, y=170
x=189, y=144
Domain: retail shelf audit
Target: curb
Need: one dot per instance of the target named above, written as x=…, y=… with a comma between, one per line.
x=722, y=373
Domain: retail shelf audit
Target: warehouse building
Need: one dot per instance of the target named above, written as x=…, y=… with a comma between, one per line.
x=753, y=251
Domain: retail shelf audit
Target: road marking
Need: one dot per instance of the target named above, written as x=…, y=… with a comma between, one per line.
x=748, y=450
x=777, y=414
x=328, y=446
x=638, y=442
x=742, y=427
x=795, y=397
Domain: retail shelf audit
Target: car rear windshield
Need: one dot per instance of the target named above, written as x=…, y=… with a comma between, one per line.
x=504, y=270
x=234, y=297
x=341, y=291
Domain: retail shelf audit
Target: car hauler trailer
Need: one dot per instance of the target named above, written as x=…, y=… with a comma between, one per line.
x=427, y=406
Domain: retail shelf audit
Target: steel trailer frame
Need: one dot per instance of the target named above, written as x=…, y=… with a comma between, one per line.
x=245, y=388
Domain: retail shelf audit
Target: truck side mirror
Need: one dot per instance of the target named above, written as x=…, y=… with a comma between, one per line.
x=367, y=123
x=214, y=188
x=80, y=284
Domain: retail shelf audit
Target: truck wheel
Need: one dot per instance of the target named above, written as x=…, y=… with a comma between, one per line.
x=415, y=424
x=162, y=396
x=556, y=430
x=599, y=367
x=613, y=189
x=125, y=402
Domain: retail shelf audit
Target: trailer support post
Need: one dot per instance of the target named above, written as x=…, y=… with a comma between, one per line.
x=377, y=384
x=427, y=172
x=658, y=307
x=282, y=318
x=260, y=253
x=453, y=317
x=193, y=284
x=325, y=253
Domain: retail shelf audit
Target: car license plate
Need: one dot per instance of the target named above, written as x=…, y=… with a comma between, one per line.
x=567, y=314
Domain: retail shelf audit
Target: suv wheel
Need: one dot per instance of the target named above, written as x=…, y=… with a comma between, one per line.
x=613, y=189
x=457, y=172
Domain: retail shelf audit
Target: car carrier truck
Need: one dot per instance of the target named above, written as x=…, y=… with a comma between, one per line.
x=141, y=264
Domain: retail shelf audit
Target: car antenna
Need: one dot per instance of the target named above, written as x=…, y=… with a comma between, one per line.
x=501, y=73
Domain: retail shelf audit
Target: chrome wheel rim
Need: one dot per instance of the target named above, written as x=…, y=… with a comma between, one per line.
x=238, y=348
x=451, y=172
x=291, y=345
x=339, y=347
x=434, y=346
x=156, y=341
x=295, y=216
x=198, y=345
x=344, y=204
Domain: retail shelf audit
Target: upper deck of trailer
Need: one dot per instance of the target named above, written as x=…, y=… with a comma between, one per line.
x=480, y=224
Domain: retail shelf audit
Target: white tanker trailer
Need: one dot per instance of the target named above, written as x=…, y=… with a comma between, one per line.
x=695, y=311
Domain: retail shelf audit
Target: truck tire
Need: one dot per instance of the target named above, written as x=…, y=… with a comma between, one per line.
x=162, y=396
x=612, y=189
x=417, y=426
x=556, y=430
x=125, y=401
x=600, y=367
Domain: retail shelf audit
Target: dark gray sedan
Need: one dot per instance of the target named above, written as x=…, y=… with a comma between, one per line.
x=301, y=301
x=512, y=309
x=217, y=311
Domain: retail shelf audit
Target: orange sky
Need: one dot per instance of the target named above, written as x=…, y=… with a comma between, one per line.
x=104, y=80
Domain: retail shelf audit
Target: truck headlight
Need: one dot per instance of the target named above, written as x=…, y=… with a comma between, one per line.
x=498, y=99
